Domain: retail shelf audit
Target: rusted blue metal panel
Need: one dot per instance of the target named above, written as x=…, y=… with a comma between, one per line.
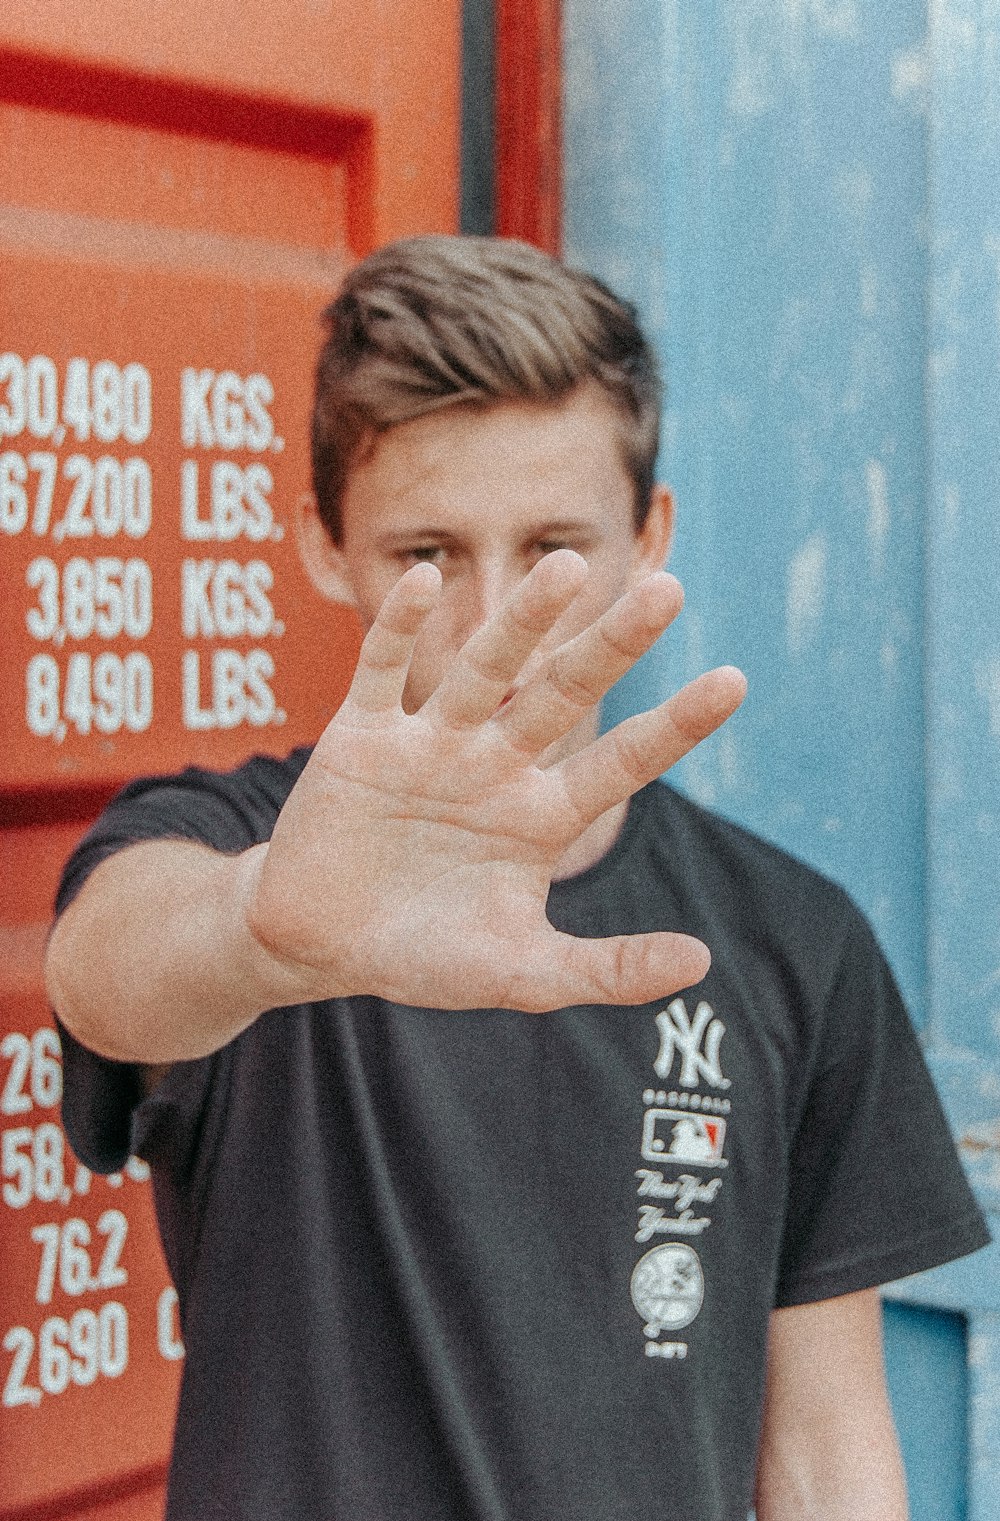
x=803, y=198
x=927, y=1353
x=779, y=185
x=963, y=525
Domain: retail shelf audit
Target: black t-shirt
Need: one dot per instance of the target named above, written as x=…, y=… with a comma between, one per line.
x=492, y=1266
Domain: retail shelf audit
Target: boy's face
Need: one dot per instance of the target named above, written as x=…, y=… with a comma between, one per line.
x=483, y=494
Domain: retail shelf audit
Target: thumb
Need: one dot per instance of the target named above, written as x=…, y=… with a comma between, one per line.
x=560, y=971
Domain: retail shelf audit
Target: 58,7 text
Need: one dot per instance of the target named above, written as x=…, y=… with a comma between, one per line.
x=34, y=1166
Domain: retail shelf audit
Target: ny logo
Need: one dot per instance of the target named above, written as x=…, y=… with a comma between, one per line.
x=697, y=1040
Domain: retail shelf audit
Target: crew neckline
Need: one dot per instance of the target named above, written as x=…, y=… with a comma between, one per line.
x=620, y=848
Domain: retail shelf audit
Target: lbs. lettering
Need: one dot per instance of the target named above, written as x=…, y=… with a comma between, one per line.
x=234, y=690
x=238, y=504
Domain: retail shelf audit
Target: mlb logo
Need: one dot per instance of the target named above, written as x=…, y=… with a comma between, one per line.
x=676, y=1135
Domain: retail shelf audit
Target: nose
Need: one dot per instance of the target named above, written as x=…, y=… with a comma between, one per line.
x=488, y=589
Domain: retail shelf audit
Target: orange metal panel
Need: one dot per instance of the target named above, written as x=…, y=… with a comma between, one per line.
x=159, y=328
x=180, y=191
x=258, y=71
x=323, y=54
x=529, y=121
x=179, y=548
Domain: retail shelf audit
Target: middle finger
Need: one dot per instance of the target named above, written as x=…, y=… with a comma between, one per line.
x=578, y=674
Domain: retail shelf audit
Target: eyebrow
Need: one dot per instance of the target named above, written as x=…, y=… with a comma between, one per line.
x=564, y=525
x=429, y=532
x=416, y=535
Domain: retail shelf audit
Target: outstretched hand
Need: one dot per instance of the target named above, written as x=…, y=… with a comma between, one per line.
x=413, y=858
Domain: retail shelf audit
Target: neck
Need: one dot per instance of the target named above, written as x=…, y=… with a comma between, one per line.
x=598, y=837
x=595, y=842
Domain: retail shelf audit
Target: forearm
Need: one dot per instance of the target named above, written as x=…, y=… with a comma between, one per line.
x=868, y=1485
x=153, y=961
x=828, y=1446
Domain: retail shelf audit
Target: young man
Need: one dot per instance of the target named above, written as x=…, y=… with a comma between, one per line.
x=471, y=1215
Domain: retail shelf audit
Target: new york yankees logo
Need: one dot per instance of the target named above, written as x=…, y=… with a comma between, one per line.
x=697, y=1040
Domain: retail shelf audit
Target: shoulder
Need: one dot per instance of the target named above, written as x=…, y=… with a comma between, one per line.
x=225, y=810
x=742, y=888
x=251, y=794
x=260, y=784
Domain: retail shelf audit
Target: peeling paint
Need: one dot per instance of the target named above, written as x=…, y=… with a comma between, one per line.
x=952, y=503
x=806, y=591
x=767, y=40
x=879, y=512
x=942, y=364
x=988, y=687
x=979, y=1148
x=979, y=1350
x=856, y=190
x=911, y=76
x=728, y=760
x=746, y=95
x=954, y=37
x=869, y=291
x=988, y=1083
x=991, y=247
x=836, y=19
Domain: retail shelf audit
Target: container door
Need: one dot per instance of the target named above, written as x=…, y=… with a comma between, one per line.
x=181, y=189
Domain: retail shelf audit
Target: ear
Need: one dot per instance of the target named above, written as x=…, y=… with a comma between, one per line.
x=655, y=537
x=324, y=561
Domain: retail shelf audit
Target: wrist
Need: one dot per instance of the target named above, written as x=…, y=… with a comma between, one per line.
x=273, y=976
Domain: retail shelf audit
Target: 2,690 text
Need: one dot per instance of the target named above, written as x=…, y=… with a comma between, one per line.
x=92, y=1344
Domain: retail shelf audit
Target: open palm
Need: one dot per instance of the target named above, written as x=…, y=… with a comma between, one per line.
x=414, y=856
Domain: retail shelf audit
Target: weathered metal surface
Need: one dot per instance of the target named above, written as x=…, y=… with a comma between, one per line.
x=984, y=1417
x=803, y=198
x=927, y=1352
x=766, y=164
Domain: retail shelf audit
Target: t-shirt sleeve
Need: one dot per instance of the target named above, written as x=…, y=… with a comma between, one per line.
x=876, y=1189
x=102, y=1098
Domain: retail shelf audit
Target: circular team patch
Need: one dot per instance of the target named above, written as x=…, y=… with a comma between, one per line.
x=667, y=1287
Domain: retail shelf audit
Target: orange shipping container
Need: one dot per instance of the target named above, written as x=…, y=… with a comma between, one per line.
x=180, y=189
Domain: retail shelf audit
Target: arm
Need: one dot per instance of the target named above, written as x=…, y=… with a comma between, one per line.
x=413, y=858
x=153, y=962
x=828, y=1448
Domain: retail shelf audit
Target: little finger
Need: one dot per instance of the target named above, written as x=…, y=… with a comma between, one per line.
x=387, y=648
x=620, y=762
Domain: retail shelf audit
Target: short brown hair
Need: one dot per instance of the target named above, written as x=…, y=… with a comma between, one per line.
x=434, y=322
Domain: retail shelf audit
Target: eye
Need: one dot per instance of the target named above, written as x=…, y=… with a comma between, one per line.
x=430, y=554
x=583, y=542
